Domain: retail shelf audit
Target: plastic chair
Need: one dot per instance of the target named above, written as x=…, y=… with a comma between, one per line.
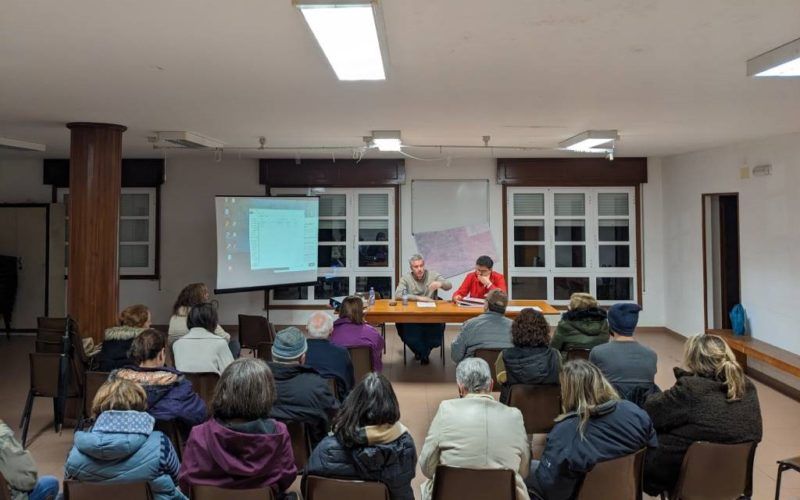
x=789, y=463
x=324, y=488
x=713, y=471
x=301, y=442
x=5, y=492
x=577, y=353
x=204, y=385
x=45, y=380
x=332, y=385
x=169, y=359
x=176, y=432
x=76, y=490
x=93, y=382
x=253, y=330
x=490, y=356
x=539, y=404
x=454, y=483
x=202, y=492
x=362, y=362
x=617, y=479
x=264, y=351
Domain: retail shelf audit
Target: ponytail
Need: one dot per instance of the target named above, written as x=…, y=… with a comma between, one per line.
x=709, y=356
x=732, y=373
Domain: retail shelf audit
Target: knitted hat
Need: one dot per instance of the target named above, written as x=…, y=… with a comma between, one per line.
x=289, y=344
x=581, y=301
x=497, y=299
x=622, y=318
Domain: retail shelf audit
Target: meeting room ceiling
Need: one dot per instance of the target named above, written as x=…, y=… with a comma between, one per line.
x=669, y=75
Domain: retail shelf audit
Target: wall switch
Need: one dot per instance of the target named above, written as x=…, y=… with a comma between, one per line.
x=744, y=173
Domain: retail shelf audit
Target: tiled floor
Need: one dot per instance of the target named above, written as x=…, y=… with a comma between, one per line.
x=419, y=389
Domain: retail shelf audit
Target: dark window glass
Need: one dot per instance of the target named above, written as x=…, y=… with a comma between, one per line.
x=290, y=293
x=331, y=287
x=373, y=230
x=563, y=288
x=529, y=256
x=614, y=256
x=529, y=288
x=529, y=230
x=570, y=230
x=614, y=288
x=570, y=256
x=381, y=284
x=332, y=230
x=373, y=256
x=331, y=256
x=614, y=230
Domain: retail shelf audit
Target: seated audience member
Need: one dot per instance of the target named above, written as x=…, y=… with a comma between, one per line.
x=490, y=330
x=240, y=447
x=369, y=442
x=711, y=401
x=596, y=426
x=200, y=350
x=421, y=285
x=627, y=364
x=122, y=446
x=19, y=470
x=351, y=331
x=117, y=340
x=531, y=360
x=190, y=296
x=583, y=326
x=303, y=395
x=477, y=284
x=330, y=360
x=475, y=431
x=169, y=394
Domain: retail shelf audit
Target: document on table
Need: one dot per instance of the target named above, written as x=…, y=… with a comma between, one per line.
x=517, y=309
x=426, y=304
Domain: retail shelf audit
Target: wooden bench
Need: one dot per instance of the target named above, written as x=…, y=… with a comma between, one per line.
x=746, y=346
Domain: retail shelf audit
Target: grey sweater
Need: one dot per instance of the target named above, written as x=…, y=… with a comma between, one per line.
x=490, y=330
x=418, y=289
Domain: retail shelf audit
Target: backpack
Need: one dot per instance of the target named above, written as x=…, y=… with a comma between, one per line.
x=738, y=319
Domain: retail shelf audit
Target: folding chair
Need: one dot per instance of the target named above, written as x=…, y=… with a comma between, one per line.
x=783, y=465
x=45, y=382
x=77, y=490
x=202, y=492
x=713, y=471
x=204, y=385
x=253, y=330
x=264, y=351
x=617, y=479
x=301, y=442
x=362, y=362
x=454, y=483
x=539, y=404
x=490, y=356
x=576, y=353
x=93, y=382
x=325, y=488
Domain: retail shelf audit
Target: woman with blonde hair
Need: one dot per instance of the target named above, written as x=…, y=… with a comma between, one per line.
x=193, y=295
x=711, y=400
x=117, y=340
x=121, y=446
x=595, y=426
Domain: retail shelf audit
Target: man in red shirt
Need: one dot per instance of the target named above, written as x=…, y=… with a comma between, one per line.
x=477, y=284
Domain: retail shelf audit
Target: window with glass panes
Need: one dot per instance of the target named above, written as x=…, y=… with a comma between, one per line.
x=356, y=247
x=565, y=240
x=137, y=230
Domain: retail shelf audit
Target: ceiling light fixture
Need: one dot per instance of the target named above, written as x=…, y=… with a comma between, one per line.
x=782, y=61
x=387, y=140
x=16, y=145
x=350, y=33
x=588, y=142
x=190, y=140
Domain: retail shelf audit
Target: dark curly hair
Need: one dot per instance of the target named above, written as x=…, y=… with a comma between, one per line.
x=530, y=329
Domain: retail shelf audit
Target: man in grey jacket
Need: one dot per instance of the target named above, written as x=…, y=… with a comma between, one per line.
x=490, y=330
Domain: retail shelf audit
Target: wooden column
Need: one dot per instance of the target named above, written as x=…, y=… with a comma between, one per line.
x=95, y=174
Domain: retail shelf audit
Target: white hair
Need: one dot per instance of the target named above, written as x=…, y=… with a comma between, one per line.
x=415, y=258
x=319, y=325
x=474, y=375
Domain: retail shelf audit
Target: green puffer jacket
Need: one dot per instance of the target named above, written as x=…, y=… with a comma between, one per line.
x=580, y=330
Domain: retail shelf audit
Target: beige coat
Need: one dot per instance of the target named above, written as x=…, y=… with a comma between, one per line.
x=178, y=327
x=476, y=432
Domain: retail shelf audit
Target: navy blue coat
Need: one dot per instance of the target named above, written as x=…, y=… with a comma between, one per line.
x=331, y=361
x=170, y=395
x=616, y=429
x=393, y=463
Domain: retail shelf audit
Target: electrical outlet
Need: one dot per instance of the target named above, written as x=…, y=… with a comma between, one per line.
x=744, y=173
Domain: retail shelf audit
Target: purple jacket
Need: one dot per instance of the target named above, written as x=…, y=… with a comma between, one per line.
x=240, y=456
x=347, y=334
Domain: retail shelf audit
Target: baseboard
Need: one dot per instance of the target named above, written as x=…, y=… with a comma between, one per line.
x=20, y=330
x=772, y=383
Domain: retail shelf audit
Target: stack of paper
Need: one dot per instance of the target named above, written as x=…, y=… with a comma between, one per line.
x=520, y=308
x=426, y=304
x=471, y=302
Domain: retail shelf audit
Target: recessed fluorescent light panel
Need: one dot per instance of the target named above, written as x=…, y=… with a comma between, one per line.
x=16, y=145
x=347, y=32
x=589, y=141
x=783, y=61
x=189, y=140
x=387, y=140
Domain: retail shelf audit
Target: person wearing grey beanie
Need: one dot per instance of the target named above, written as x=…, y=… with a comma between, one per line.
x=627, y=364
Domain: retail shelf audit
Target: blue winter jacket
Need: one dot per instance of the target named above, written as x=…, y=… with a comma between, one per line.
x=170, y=395
x=615, y=429
x=122, y=447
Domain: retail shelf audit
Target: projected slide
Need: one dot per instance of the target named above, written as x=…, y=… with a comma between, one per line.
x=265, y=241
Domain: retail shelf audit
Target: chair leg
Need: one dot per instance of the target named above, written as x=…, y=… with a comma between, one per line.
x=383, y=334
x=26, y=417
x=442, y=350
x=781, y=468
x=404, y=353
x=57, y=414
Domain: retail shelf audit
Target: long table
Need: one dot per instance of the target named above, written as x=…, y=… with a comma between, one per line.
x=444, y=312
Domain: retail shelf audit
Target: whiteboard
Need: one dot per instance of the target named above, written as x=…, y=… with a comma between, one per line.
x=446, y=203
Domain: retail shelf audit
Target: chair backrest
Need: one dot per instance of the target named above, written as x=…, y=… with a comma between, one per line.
x=45, y=373
x=76, y=490
x=454, y=483
x=301, y=442
x=176, y=431
x=264, y=351
x=577, y=353
x=618, y=479
x=272, y=331
x=252, y=330
x=5, y=492
x=93, y=382
x=50, y=334
x=712, y=471
x=204, y=385
x=362, y=361
x=200, y=492
x=169, y=358
x=539, y=404
x=325, y=488
x=332, y=385
x=490, y=356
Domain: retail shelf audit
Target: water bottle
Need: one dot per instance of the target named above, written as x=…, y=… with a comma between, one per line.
x=405, y=296
x=371, y=296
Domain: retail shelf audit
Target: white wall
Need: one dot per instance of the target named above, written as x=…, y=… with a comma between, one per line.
x=21, y=182
x=769, y=238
